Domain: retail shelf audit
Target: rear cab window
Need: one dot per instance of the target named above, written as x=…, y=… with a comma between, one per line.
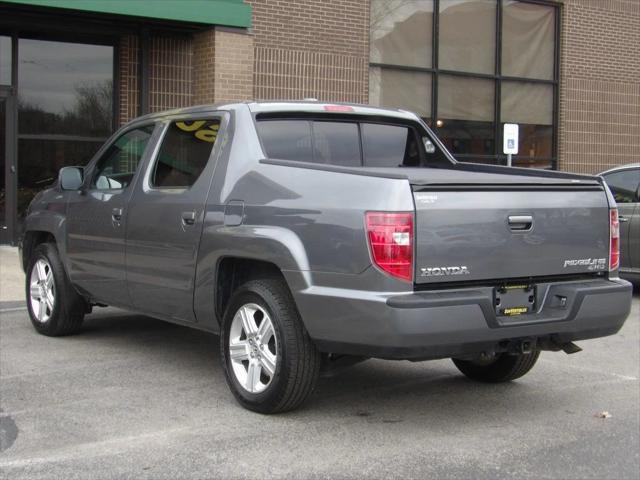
x=184, y=153
x=348, y=142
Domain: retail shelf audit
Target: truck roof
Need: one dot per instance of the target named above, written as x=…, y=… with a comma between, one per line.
x=324, y=107
x=283, y=106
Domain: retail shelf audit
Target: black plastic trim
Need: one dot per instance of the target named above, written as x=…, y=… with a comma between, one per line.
x=494, y=282
x=456, y=350
x=332, y=168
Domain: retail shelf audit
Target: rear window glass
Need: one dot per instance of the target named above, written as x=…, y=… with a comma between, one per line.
x=389, y=146
x=185, y=151
x=336, y=143
x=347, y=143
x=287, y=139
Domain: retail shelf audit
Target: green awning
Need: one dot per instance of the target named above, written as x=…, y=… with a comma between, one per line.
x=232, y=13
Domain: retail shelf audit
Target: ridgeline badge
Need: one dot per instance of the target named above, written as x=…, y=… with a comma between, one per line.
x=590, y=263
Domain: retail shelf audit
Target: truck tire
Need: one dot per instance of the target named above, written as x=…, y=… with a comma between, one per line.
x=504, y=368
x=55, y=308
x=270, y=363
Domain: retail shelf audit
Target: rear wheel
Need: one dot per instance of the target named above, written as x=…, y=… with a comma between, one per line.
x=500, y=367
x=270, y=363
x=55, y=308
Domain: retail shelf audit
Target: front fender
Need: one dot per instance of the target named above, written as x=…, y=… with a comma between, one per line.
x=47, y=215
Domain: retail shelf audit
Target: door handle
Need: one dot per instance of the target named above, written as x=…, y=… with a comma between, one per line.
x=116, y=214
x=189, y=218
x=622, y=219
x=520, y=223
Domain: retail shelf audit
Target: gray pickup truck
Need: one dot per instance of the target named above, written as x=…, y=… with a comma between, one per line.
x=311, y=235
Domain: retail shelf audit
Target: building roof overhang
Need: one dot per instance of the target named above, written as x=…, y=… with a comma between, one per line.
x=230, y=13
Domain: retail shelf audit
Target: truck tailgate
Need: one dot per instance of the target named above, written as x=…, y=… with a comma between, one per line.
x=504, y=232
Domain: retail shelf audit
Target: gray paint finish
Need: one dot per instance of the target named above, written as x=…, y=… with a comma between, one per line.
x=308, y=221
x=471, y=228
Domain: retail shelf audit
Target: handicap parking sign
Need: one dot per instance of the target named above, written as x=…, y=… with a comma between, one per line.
x=510, y=143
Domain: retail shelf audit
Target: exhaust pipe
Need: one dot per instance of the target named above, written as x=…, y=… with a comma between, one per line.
x=570, y=348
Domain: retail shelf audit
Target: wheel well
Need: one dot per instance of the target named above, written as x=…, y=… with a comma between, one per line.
x=233, y=272
x=30, y=241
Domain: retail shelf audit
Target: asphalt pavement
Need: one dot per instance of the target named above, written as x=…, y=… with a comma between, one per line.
x=135, y=397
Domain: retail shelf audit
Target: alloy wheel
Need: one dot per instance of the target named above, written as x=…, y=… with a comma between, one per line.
x=42, y=290
x=253, y=348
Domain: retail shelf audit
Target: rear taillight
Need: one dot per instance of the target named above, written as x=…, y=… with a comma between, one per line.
x=614, y=239
x=391, y=242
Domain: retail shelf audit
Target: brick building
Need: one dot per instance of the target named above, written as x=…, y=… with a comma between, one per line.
x=567, y=71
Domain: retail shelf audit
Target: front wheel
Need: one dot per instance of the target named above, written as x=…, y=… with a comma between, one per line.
x=270, y=363
x=501, y=367
x=55, y=308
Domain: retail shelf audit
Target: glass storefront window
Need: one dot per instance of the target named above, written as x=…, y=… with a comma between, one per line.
x=465, y=114
x=394, y=88
x=528, y=39
x=467, y=72
x=464, y=98
x=530, y=105
x=467, y=36
x=5, y=60
x=401, y=32
x=65, y=109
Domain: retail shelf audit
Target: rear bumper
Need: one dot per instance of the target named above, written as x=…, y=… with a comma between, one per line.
x=458, y=322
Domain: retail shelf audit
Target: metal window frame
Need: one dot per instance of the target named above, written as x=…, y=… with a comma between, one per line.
x=497, y=77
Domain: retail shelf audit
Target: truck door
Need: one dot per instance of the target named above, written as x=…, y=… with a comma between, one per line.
x=166, y=217
x=97, y=216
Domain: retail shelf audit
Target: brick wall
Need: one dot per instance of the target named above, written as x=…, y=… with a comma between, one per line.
x=600, y=85
x=204, y=67
x=128, y=88
x=311, y=48
x=170, y=73
x=234, y=63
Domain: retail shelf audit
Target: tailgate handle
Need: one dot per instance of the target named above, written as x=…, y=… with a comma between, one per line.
x=520, y=223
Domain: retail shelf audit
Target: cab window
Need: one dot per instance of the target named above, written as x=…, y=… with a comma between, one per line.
x=184, y=153
x=117, y=166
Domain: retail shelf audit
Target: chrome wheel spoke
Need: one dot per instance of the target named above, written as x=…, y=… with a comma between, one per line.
x=265, y=331
x=253, y=377
x=34, y=291
x=248, y=322
x=41, y=268
x=268, y=362
x=42, y=311
x=239, y=351
x=49, y=300
x=49, y=280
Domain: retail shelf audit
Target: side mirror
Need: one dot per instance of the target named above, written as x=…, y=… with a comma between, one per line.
x=71, y=178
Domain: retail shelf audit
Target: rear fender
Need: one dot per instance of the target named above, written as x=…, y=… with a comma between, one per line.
x=275, y=245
